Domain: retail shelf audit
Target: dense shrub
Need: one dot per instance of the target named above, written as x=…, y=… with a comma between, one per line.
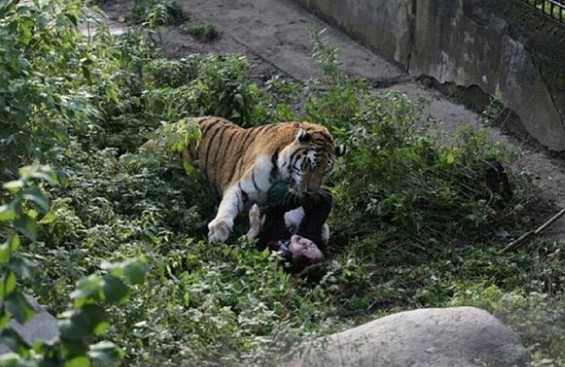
x=203, y=32
x=157, y=12
x=198, y=86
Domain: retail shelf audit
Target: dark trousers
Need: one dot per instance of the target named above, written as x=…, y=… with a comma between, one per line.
x=316, y=207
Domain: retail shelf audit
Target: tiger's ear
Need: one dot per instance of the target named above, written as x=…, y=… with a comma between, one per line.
x=340, y=150
x=303, y=136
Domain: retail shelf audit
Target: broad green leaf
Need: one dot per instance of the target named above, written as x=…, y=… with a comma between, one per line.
x=14, y=342
x=19, y=307
x=449, y=159
x=7, y=284
x=14, y=186
x=15, y=243
x=49, y=217
x=116, y=269
x=4, y=318
x=44, y=172
x=86, y=321
x=115, y=290
x=25, y=32
x=7, y=212
x=73, y=18
x=13, y=359
x=134, y=272
x=9, y=248
x=188, y=168
x=86, y=72
x=20, y=267
x=34, y=194
x=80, y=361
x=106, y=352
x=27, y=226
x=87, y=288
x=5, y=253
x=22, y=9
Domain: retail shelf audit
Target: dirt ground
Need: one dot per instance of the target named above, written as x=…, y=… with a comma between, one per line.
x=275, y=36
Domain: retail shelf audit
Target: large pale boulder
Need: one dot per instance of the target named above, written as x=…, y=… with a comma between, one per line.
x=461, y=336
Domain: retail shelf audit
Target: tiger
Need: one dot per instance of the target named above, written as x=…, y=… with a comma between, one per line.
x=241, y=164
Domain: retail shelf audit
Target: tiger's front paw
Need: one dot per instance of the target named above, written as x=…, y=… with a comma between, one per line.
x=219, y=230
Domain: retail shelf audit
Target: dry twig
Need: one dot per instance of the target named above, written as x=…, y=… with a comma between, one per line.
x=512, y=245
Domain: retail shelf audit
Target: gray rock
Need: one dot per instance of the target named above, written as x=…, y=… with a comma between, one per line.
x=43, y=326
x=461, y=336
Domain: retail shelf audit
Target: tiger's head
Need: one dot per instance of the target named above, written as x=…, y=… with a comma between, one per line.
x=308, y=159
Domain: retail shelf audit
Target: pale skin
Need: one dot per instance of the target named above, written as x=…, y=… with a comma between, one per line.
x=299, y=246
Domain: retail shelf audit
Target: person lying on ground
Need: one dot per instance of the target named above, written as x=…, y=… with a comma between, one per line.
x=292, y=225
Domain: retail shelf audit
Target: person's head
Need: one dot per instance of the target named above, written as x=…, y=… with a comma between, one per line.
x=304, y=251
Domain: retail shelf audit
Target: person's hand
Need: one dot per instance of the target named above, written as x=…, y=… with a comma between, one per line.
x=293, y=218
x=256, y=221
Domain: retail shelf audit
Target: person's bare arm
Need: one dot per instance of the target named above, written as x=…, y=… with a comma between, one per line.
x=255, y=222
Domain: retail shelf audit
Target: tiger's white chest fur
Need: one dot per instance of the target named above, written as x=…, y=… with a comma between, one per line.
x=256, y=181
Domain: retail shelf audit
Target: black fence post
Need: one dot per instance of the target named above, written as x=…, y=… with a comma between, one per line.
x=552, y=8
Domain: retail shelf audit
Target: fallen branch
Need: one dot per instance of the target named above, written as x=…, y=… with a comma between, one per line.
x=512, y=245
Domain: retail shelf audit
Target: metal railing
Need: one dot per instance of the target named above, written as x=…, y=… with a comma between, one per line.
x=551, y=8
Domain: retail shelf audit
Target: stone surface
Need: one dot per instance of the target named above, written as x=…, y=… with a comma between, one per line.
x=456, y=43
x=461, y=336
x=43, y=326
x=364, y=21
x=463, y=42
x=278, y=38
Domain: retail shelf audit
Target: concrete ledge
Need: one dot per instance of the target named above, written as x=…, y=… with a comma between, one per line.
x=469, y=43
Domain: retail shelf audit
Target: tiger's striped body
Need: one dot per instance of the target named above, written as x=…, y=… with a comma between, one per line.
x=241, y=164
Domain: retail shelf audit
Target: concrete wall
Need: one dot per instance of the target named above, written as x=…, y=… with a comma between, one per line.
x=492, y=44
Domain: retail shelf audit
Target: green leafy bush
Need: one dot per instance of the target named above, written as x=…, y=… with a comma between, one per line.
x=39, y=106
x=198, y=86
x=77, y=326
x=203, y=32
x=158, y=12
x=537, y=317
